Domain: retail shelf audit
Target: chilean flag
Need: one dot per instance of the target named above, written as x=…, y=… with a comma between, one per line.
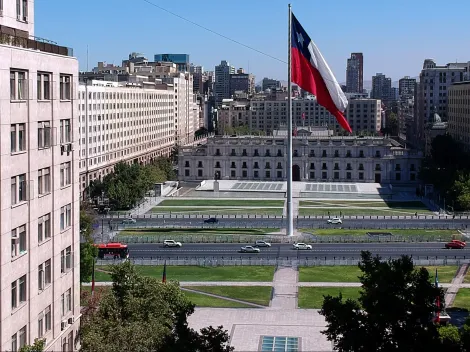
x=311, y=72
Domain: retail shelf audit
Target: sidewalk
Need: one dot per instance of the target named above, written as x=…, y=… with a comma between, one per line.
x=284, y=288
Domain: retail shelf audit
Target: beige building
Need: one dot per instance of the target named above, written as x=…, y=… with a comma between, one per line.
x=364, y=115
x=458, y=110
x=315, y=158
x=123, y=122
x=39, y=217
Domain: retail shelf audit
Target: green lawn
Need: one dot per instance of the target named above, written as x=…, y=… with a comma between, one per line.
x=200, y=273
x=312, y=297
x=254, y=294
x=362, y=211
x=397, y=232
x=217, y=211
x=195, y=231
x=222, y=202
x=201, y=300
x=352, y=272
x=462, y=299
x=466, y=279
x=366, y=204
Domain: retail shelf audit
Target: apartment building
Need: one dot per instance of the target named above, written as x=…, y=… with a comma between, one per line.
x=364, y=115
x=39, y=216
x=382, y=88
x=315, y=158
x=222, y=81
x=122, y=122
x=355, y=73
x=459, y=113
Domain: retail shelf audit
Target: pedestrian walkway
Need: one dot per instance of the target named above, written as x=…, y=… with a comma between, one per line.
x=284, y=288
x=457, y=283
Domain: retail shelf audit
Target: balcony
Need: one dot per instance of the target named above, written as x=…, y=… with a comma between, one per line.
x=13, y=37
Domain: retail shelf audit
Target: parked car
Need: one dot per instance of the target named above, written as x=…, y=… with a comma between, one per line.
x=260, y=243
x=211, y=221
x=335, y=221
x=456, y=244
x=129, y=221
x=171, y=243
x=249, y=249
x=302, y=246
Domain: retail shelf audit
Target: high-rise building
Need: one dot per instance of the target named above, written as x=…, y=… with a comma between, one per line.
x=181, y=60
x=381, y=88
x=406, y=86
x=122, y=122
x=222, y=81
x=459, y=113
x=269, y=83
x=242, y=81
x=355, y=73
x=431, y=96
x=39, y=270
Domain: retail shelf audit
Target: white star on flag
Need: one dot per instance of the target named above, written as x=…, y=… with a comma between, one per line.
x=300, y=38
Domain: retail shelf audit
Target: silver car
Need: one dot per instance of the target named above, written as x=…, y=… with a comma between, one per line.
x=302, y=246
x=249, y=249
x=260, y=243
x=171, y=243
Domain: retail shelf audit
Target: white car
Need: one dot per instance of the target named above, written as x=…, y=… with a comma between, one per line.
x=335, y=221
x=129, y=221
x=260, y=243
x=249, y=249
x=171, y=243
x=302, y=246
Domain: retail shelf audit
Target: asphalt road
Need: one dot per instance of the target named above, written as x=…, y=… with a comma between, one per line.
x=328, y=251
x=300, y=223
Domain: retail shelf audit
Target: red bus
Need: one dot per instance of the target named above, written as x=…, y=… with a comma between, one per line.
x=112, y=249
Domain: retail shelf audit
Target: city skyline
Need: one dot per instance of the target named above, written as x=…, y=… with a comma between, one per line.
x=393, y=50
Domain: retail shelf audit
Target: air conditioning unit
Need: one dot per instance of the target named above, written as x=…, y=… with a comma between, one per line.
x=63, y=325
x=70, y=321
x=62, y=149
x=69, y=147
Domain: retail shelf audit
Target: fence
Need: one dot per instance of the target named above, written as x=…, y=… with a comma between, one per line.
x=304, y=262
x=325, y=217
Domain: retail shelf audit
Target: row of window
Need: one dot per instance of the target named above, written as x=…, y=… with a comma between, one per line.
x=18, y=136
x=336, y=153
x=279, y=175
x=19, y=86
x=19, y=185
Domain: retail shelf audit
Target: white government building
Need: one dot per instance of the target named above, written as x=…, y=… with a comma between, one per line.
x=315, y=158
x=39, y=218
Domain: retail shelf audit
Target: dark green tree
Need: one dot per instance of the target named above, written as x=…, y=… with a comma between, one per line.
x=450, y=338
x=37, y=346
x=88, y=251
x=394, y=312
x=142, y=314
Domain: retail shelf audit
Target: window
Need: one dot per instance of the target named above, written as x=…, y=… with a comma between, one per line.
x=66, y=299
x=268, y=174
x=44, y=181
x=44, y=275
x=18, y=137
x=336, y=175
x=398, y=176
x=14, y=343
x=256, y=174
x=18, y=85
x=348, y=175
x=312, y=175
x=44, y=322
x=44, y=86
x=44, y=134
x=65, y=131
x=279, y=174
x=65, y=174
x=65, y=87
x=66, y=259
x=65, y=216
x=324, y=175
x=233, y=173
x=199, y=173
x=44, y=227
x=186, y=173
x=18, y=292
x=18, y=241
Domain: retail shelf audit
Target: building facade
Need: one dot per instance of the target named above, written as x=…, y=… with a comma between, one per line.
x=269, y=83
x=355, y=73
x=181, y=60
x=315, y=159
x=122, y=123
x=459, y=113
x=269, y=115
x=39, y=217
x=431, y=96
x=222, y=81
x=243, y=82
x=406, y=86
x=381, y=88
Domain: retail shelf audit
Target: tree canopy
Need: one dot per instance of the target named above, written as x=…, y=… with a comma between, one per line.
x=88, y=251
x=128, y=184
x=394, y=311
x=142, y=314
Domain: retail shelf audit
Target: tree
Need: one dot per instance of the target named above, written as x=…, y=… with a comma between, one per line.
x=450, y=338
x=88, y=251
x=461, y=191
x=392, y=124
x=394, y=311
x=142, y=314
x=37, y=346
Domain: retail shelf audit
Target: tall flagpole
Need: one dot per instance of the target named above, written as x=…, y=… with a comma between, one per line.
x=290, y=210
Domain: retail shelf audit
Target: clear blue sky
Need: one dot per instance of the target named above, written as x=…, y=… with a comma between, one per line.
x=395, y=36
